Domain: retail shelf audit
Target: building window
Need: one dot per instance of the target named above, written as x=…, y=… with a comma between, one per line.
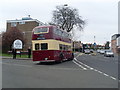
x=13, y=24
x=22, y=22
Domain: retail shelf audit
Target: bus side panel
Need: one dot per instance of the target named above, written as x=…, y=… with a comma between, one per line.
x=50, y=55
x=67, y=55
x=42, y=55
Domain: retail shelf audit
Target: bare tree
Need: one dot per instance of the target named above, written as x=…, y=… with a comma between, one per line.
x=66, y=18
x=10, y=36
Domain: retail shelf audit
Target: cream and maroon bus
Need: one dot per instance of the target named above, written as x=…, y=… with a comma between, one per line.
x=51, y=44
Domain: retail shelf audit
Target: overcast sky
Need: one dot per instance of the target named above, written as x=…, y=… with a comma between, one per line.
x=101, y=15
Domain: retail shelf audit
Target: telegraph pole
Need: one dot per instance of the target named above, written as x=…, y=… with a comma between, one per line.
x=94, y=39
x=94, y=43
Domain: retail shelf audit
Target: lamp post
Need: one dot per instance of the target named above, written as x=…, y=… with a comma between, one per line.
x=94, y=43
x=74, y=46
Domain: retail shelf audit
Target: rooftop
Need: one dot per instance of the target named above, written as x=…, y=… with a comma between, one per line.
x=25, y=19
x=115, y=36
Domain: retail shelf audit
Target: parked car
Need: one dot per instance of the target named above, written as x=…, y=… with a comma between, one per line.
x=87, y=51
x=94, y=54
x=109, y=54
x=98, y=51
x=91, y=50
x=102, y=51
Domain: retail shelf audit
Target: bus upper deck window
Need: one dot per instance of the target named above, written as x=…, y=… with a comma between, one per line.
x=40, y=30
x=44, y=46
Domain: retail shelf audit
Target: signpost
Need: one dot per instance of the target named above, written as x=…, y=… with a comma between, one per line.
x=95, y=46
x=17, y=44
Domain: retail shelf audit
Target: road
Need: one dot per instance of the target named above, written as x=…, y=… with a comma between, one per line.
x=107, y=65
x=85, y=71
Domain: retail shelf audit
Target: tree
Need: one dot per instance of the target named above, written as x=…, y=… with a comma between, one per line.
x=9, y=37
x=107, y=45
x=66, y=18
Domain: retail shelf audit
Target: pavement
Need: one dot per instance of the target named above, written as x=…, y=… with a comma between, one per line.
x=5, y=57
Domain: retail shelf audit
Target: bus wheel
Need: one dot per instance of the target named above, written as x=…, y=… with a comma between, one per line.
x=59, y=61
x=72, y=57
x=61, y=57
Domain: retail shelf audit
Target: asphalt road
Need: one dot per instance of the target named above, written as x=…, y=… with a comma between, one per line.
x=85, y=71
x=107, y=65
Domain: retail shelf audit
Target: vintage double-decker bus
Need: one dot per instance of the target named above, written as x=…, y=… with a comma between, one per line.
x=51, y=44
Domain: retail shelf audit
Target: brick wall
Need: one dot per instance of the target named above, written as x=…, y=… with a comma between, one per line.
x=27, y=31
x=114, y=45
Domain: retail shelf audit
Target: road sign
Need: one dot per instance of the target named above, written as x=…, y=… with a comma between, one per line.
x=17, y=44
x=94, y=44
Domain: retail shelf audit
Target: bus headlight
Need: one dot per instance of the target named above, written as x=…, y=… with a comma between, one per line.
x=46, y=58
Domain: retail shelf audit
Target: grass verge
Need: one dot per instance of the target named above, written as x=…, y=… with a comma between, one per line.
x=10, y=55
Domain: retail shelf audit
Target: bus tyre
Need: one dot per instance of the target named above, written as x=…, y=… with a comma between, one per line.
x=61, y=61
x=61, y=57
x=72, y=56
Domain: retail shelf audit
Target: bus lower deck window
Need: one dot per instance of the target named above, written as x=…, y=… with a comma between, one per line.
x=60, y=46
x=44, y=46
x=37, y=46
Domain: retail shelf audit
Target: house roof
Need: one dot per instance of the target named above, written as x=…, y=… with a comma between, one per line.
x=25, y=19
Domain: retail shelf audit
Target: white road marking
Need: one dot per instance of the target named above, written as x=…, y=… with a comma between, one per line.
x=95, y=70
x=75, y=69
x=80, y=65
x=83, y=64
x=100, y=72
x=113, y=78
x=105, y=74
x=79, y=55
